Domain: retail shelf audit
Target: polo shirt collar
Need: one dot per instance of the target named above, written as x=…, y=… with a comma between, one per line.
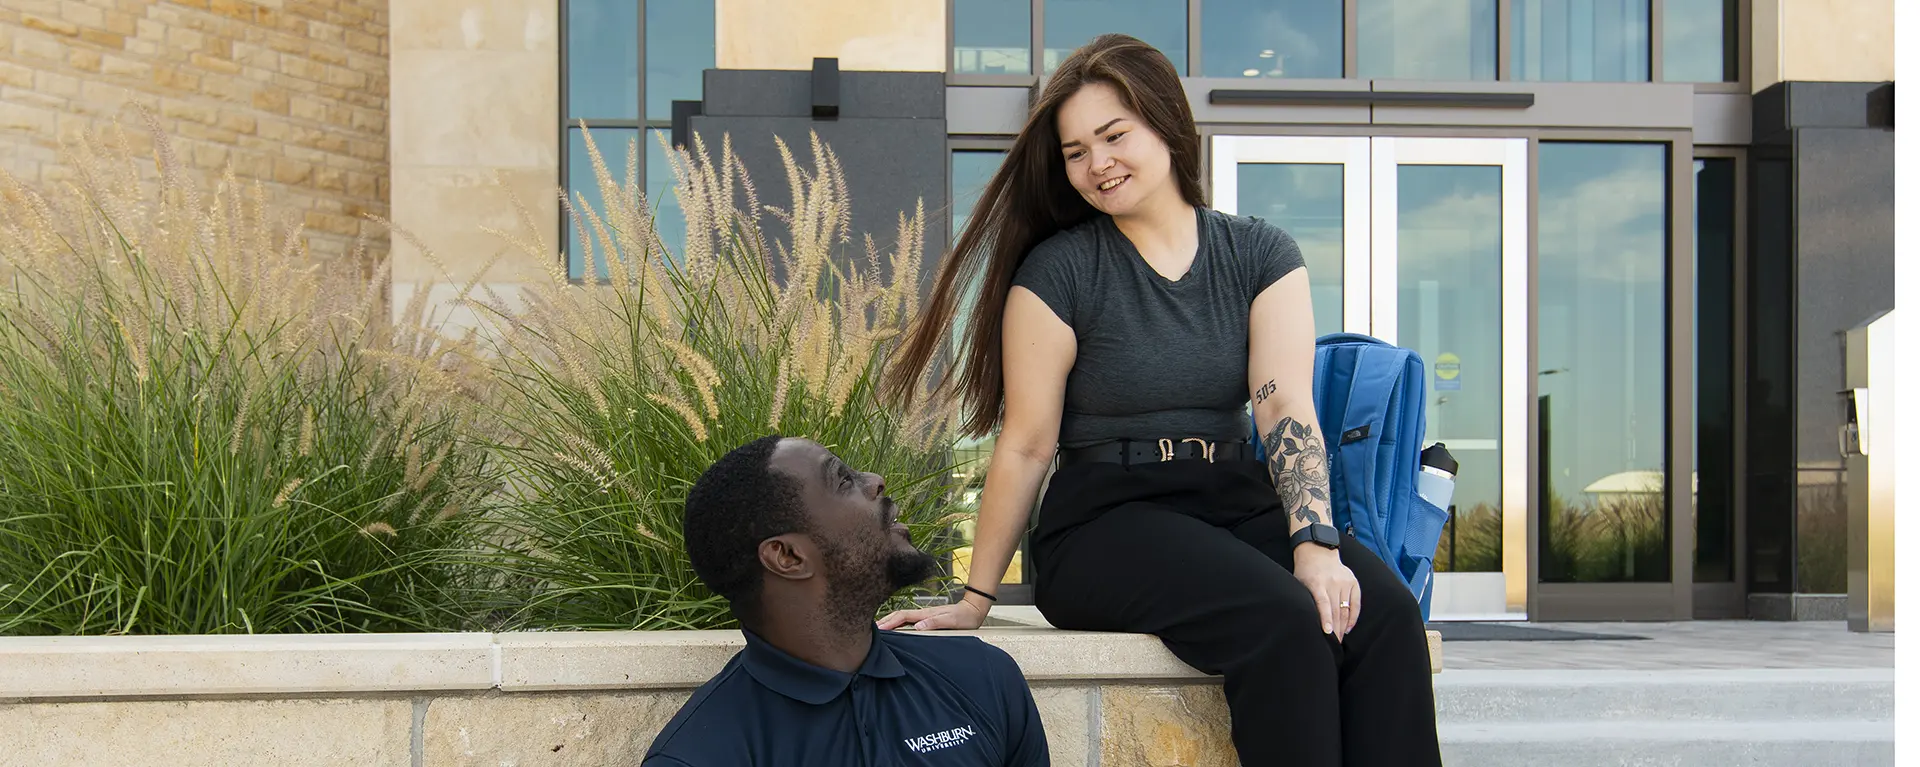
x=802, y=681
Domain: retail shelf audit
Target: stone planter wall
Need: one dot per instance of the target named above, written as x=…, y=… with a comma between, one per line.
x=511, y=699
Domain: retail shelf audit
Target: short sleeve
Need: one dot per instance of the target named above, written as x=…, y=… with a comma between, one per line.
x=1049, y=272
x=1273, y=252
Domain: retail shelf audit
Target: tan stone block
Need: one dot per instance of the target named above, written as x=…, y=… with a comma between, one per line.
x=181, y=110
x=74, y=127
x=152, y=29
x=368, y=150
x=233, y=9
x=120, y=23
x=15, y=75
x=275, y=131
x=292, y=171
x=330, y=179
x=237, y=122
x=16, y=116
x=304, y=67
x=502, y=25
x=360, y=184
x=38, y=7
x=146, y=48
x=56, y=84
x=33, y=98
x=376, y=733
x=1064, y=712
x=308, y=109
x=34, y=45
x=50, y=25
x=345, y=78
x=108, y=97
x=1184, y=726
x=211, y=157
x=331, y=223
x=322, y=32
x=248, y=54
x=368, y=121
x=290, y=44
x=447, y=209
x=271, y=100
x=107, y=40
x=533, y=730
x=186, y=39
x=453, y=109
x=250, y=165
x=83, y=14
x=176, y=80
x=119, y=66
x=363, y=42
x=206, y=132
x=212, y=64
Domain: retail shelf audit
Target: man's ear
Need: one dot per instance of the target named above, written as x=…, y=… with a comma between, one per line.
x=788, y=556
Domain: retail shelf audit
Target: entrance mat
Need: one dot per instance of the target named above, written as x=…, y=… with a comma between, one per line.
x=1515, y=632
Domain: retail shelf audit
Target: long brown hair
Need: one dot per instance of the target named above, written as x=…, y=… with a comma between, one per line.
x=1029, y=200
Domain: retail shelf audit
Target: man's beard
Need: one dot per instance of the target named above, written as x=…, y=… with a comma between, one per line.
x=857, y=585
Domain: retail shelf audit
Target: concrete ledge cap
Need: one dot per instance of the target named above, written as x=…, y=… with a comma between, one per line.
x=136, y=666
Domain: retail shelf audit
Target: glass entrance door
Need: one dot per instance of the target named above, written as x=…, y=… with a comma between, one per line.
x=1422, y=242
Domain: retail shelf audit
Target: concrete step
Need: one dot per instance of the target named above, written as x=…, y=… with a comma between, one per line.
x=1743, y=695
x=1747, y=717
x=1659, y=744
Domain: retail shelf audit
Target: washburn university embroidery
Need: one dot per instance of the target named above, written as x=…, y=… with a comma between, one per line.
x=940, y=740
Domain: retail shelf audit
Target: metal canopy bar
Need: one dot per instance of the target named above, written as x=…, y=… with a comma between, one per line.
x=1368, y=98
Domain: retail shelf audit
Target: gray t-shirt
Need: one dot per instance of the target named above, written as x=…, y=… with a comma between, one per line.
x=1158, y=358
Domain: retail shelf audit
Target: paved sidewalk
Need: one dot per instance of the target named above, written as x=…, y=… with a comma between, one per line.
x=1685, y=645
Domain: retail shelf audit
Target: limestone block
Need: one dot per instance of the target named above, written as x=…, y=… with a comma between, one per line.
x=532, y=730
x=471, y=25
x=448, y=210
x=1183, y=726
x=475, y=109
x=1066, y=713
x=288, y=733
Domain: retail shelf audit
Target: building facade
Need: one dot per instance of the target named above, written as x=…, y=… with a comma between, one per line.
x=1624, y=234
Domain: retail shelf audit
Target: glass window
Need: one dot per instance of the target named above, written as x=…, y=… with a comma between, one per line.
x=1073, y=23
x=1449, y=311
x=1429, y=39
x=972, y=169
x=1603, y=212
x=613, y=145
x=1697, y=41
x=603, y=68
x=1713, y=256
x=1582, y=40
x=1308, y=200
x=992, y=37
x=680, y=39
x=668, y=220
x=1272, y=38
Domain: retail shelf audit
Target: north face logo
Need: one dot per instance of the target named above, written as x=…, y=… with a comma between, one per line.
x=932, y=742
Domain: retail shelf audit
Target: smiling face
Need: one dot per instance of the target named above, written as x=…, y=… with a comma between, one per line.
x=853, y=528
x=1112, y=158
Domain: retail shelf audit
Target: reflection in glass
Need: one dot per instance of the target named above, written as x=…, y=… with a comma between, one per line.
x=1713, y=369
x=1581, y=40
x=1602, y=363
x=992, y=37
x=1272, y=38
x=971, y=172
x=1449, y=307
x=972, y=169
x=1073, y=23
x=1429, y=39
x=680, y=39
x=603, y=70
x=1309, y=202
x=1697, y=41
x=613, y=145
x=668, y=220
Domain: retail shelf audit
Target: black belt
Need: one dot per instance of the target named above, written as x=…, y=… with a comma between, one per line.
x=1128, y=452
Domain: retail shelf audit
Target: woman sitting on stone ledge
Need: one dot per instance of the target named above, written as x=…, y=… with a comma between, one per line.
x=1123, y=326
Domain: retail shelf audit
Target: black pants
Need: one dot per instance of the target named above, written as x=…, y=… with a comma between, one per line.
x=1196, y=554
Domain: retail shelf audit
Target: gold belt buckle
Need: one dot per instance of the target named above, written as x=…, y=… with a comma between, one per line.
x=1206, y=448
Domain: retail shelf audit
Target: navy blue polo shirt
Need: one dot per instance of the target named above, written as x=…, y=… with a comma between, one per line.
x=917, y=700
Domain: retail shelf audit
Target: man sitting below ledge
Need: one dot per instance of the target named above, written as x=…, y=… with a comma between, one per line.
x=805, y=550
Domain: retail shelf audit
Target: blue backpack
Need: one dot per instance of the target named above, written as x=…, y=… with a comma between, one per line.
x=1371, y=398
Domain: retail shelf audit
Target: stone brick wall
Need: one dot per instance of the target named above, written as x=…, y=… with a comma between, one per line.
x=289, y=92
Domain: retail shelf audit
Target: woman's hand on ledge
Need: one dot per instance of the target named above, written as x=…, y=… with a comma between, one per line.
x=962, y=615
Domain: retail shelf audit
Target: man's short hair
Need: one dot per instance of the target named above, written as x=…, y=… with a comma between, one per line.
x=738, y=502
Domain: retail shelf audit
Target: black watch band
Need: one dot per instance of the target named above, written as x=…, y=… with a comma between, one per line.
x=1319, y=534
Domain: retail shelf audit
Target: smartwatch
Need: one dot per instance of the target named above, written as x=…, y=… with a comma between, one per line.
x=1318, y=534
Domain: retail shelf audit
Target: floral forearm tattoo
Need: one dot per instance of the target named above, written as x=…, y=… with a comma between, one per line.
x=1297, y=461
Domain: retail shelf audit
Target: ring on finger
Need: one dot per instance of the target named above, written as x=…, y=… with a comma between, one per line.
x=1344, y=604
